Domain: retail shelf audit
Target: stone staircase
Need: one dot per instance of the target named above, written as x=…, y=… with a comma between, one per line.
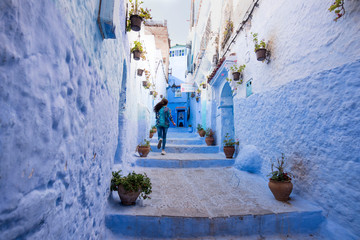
x=197, y=194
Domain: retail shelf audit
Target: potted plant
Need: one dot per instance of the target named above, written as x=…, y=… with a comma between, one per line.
x=192, y=95
x=200, y=130
x=209, y=137
x=151, y=92
x=155, y=93
x=137, y=50
x=143, y=148
x=260, y=48
x=154, y=128
x=190, y=128
x=152, y=131
x=237, y=71
x=229, y=146
x=137, y=14
x=140, y=72
x=130, y=187
x=280, y=181
x=203, y=85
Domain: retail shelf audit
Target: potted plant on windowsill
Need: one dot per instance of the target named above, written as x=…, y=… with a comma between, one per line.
x=143, y=148
x=260, y=48
x=137, y=50
x=137, y=15
x=229, y=146
x=209, y=137
x=237, y=72
x=200, y=130
x=280, y=181
x=130, y=187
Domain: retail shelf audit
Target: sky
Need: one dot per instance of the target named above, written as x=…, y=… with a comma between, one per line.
x=177, y=14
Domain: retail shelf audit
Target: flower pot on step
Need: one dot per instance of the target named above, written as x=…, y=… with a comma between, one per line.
x=136, y=54
x=281, y=190
x=261, y=54
x=229, y=151
x=209, y=141
x=128, y=198
x=135, y=22
x=143, y=151
x=202, y=133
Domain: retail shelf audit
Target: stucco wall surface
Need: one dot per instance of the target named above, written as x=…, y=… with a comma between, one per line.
x=314, y=122
x=59, y=97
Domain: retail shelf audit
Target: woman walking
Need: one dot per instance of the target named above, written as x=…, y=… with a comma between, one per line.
x=163, y=115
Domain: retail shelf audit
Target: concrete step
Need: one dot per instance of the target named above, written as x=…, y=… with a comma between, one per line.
x=209, y=203
x=184, y=160
x=172, y=148
x=181, y=141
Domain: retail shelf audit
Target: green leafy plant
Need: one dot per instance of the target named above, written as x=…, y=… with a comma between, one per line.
x=338, y=8
x=279, y=173
x=229, y=27
x=144, y=143
x=198, y=91
x=258, y=45
x=153, y=127
x=199, y=127
x=155, y=93
x=236, y=68
x=228, y=142
x=228, y=80
x=137, y=47
x=152, y=130
x=133, y=182
x=209, y=132
x=148, y=85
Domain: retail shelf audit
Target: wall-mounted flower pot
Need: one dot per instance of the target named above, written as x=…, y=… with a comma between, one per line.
x=151, y=92
x=192, y=95
x=140, y=72
x=229, y=151
x=144, y=83
x=236, y=76
x=197, y=99
x=161, y=96
x=137, y=54
x=204, y=86
x=135, y=22
x=261, y=54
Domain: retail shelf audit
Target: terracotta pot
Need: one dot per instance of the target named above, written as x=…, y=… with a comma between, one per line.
x=137, y=54
x=236, y=76
x=151, y=134
x=260, y=54
x=143, y=151
x=135, y=22
x=209, y=141
x=229, y=151
x=281, y=190
x=144, y=83
x=127, y=198
x=140, y=72
x=202, y=133
x=204, y=86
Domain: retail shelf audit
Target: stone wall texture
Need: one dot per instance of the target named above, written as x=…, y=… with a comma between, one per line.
x=59, y=96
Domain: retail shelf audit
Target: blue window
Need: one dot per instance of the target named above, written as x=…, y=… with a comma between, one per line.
x=249, y=88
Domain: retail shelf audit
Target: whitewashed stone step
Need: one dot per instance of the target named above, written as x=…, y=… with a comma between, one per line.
x=172, y=148
x=209, y=202
x=182, y=141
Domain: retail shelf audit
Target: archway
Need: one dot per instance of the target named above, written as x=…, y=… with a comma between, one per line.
x=226, y=112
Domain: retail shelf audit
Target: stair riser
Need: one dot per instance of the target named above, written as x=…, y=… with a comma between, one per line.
x=182, y=141
x=180, y=149
x=184, y=227
x=154, y=163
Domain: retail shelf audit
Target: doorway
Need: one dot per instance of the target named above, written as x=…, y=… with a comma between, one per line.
x=227, y=113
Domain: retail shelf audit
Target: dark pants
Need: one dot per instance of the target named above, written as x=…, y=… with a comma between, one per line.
x=162, y=134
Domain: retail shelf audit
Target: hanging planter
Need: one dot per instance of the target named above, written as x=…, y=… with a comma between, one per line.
x=140, y=72
x=144, y=83
x=192, y=95
x=261, y=54
x=135, y=22
x=161, y=96
x=137, y=55
x=236, y=76
x=237, y=71
x=151, y=92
